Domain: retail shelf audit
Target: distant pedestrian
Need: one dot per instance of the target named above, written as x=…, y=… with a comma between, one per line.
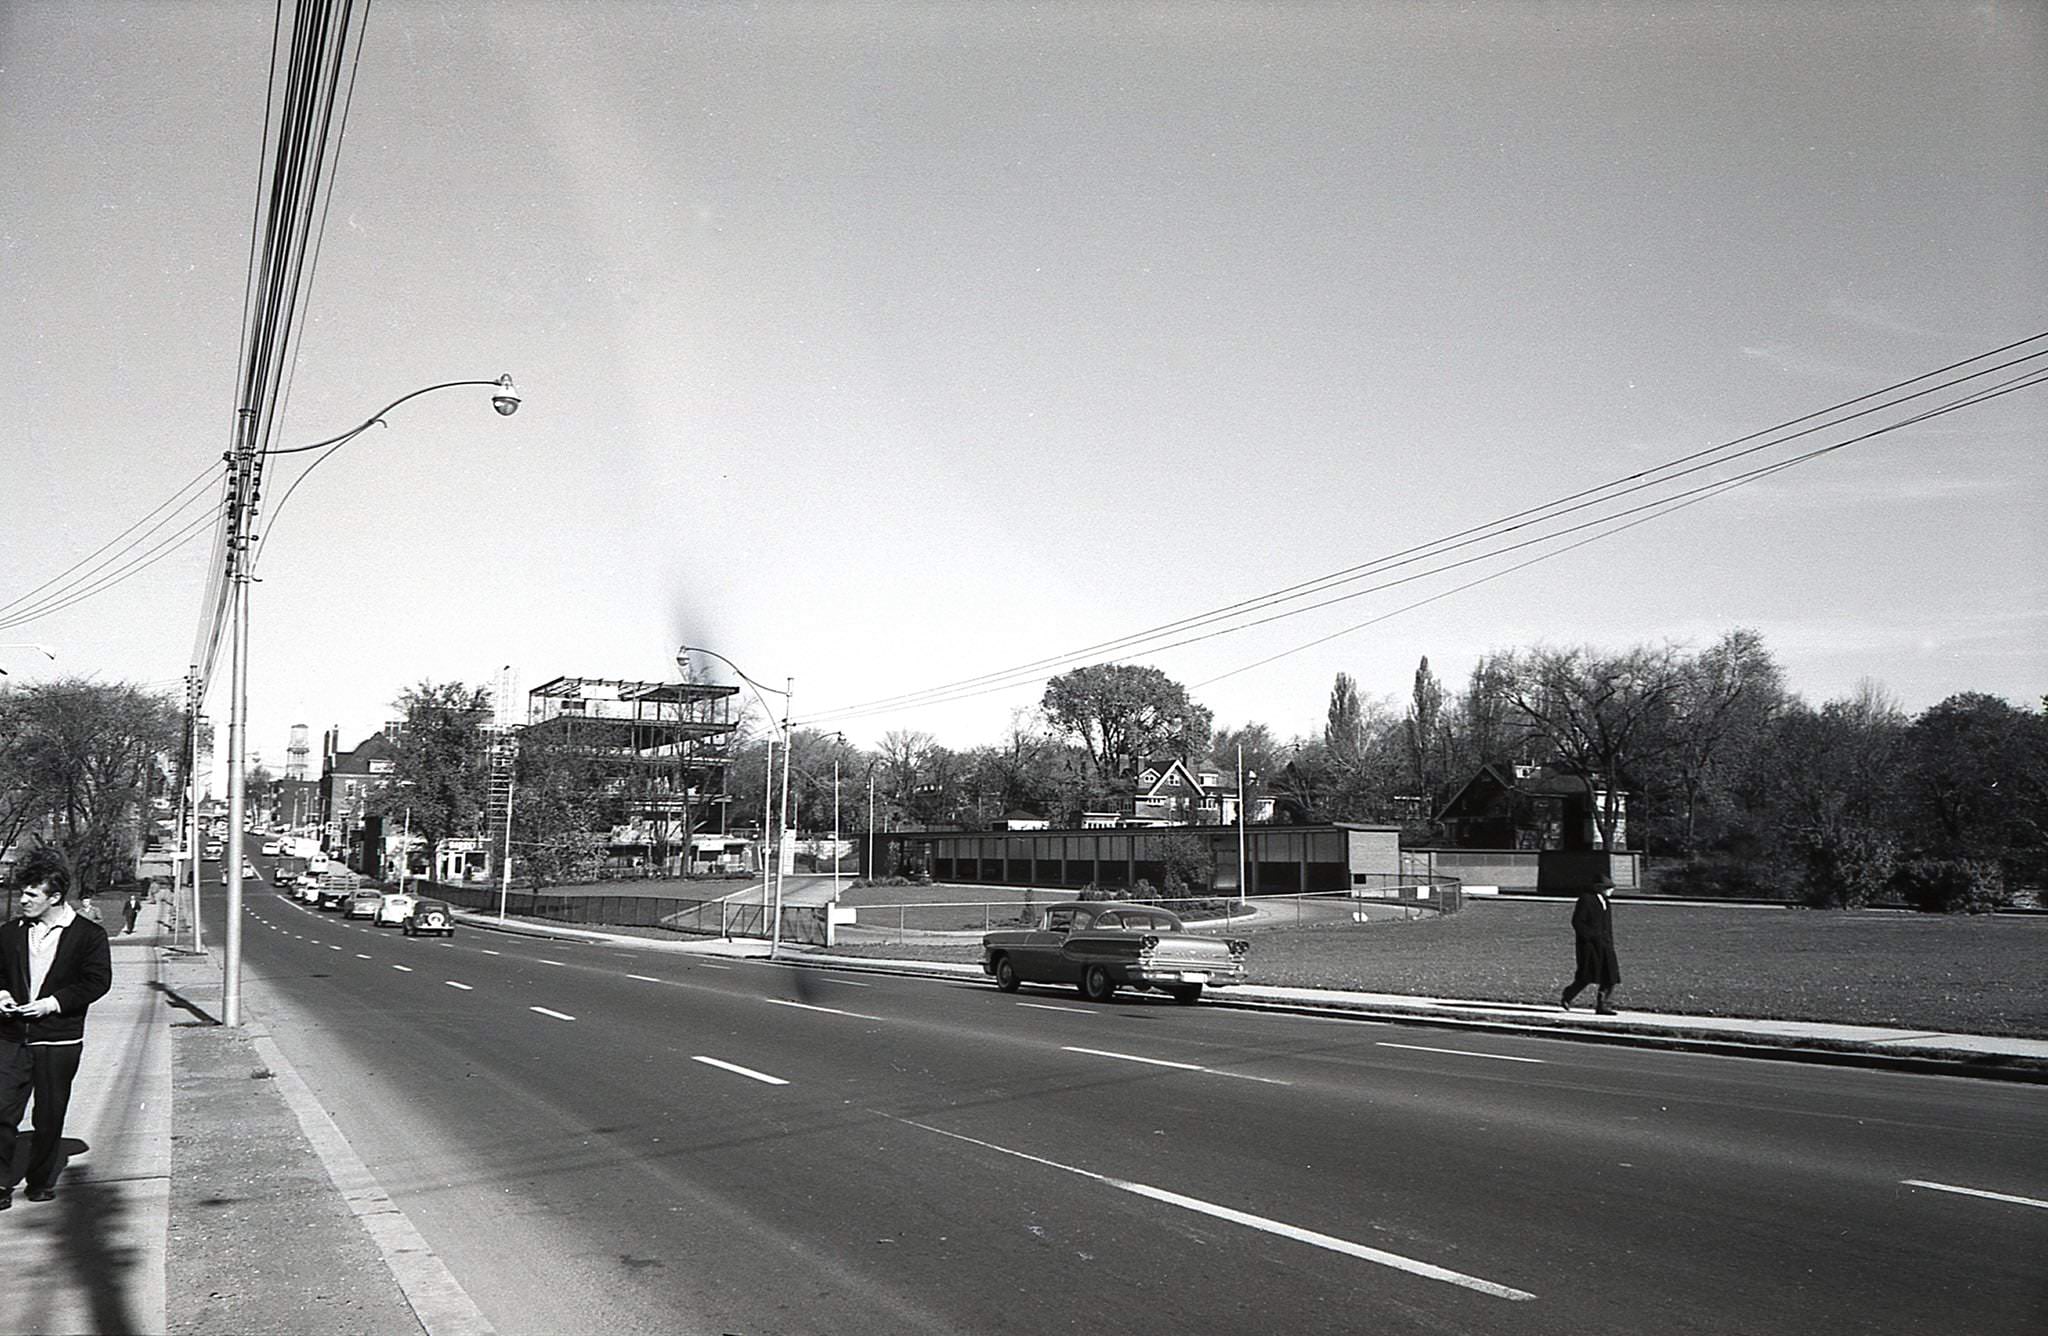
x=131, y=905
x=54, y=963
x=1593, y=938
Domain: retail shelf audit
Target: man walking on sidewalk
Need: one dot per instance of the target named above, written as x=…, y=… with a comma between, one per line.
x=54, y=963
x=1593, y=947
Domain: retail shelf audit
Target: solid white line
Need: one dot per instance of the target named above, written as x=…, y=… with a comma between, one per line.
x=807, y=1006
x=848, y=983
x=1460, y=1052
x=406, y=968
x=556, y=1014
x=1182, y=1066
x=1047, y=1006
x=738, y=1070
x=643, y=978
x=709, y=966
x=1427, y=1270
x=463, y=986
x=1976, y=1192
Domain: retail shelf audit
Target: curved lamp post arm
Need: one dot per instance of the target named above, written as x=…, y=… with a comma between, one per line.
x=781, y=730
x=506, y=401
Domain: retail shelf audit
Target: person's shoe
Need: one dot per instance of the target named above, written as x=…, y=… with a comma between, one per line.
x=1565, y=1002
x=6, y=1198
x=1604, y=1010
x=42, y=1194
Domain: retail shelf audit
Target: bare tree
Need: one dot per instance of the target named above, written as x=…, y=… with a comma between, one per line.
x=85, y=752
x=1724, y=697
x=1599, y=715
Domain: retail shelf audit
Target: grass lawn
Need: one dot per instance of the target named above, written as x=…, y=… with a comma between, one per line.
x=1975, y=975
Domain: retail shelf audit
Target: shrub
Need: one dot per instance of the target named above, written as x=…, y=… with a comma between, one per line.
x=1951, y=885
x=1846, y=869
x=1724, y=876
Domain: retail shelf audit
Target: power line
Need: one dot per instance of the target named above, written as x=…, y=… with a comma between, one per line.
x=1486, y=533
x=173, y=502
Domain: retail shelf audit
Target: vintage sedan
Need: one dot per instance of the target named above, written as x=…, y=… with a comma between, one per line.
x=430, y=916
x=396, y=908
x=363, y=903
x=1101, y=946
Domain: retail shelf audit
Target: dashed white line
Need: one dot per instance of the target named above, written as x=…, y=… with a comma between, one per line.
x=705, y=964
x=406, y=968
x=1047, y=1006
x=845, y=983
x=553, y=962
x=361, y=956
x=810, y=1006
x=463, y=986
x=333, y=948
x=1181, y=1066
x=556, y=1014
x=1460, y=1052
x=643, y=978
x=738, y=1070
x=1427, y=1270
x=1976, y=1192
x=487, y=951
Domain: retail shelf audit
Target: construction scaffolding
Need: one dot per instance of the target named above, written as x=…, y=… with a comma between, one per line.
x=660, y=754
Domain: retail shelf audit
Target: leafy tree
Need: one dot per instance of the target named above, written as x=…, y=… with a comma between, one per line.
x=1427, y=752
x=1723, y=701
x=1122, y=713
x=78, y=759
x=1975, y=784
x=1344, y=722
x=1263, y=753
x=1481, y=729
x=441, y=768
x=1599, y=715
x=560, y=830
x=1821, y=781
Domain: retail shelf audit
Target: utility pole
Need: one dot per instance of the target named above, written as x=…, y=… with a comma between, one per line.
x=246, y=470
x=788, y=747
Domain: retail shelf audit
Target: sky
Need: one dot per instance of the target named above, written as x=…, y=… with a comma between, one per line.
x=881, y=346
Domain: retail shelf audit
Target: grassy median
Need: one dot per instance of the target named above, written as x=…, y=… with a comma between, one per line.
x=1972, y=975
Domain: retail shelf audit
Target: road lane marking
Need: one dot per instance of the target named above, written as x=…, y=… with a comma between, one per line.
x=334, y=948
x=1047, y=1006
x=1414, y=1267
x=845, y=983
x=1182, y=1066
x=487, y=951
x=1976, y=1192
x=463, y=986
x=1460, y=1052
x=705, y=964
x=406, y=968
x=556, y=1014
x=361, y=956
x=643, y=978
x=553, y=962
x=811, y=1006
x=738, y=1070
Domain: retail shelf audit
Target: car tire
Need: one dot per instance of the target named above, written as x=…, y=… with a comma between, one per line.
x=1187, y=994
x=1006, y=975
x=1096, y=984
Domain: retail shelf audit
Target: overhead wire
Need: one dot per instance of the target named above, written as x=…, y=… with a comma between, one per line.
x=1028, y=674
x=1570, y=503
x=88, y=562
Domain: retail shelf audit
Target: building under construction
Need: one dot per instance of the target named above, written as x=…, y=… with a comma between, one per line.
x=659, y=753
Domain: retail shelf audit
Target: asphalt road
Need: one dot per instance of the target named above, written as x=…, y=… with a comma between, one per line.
x=596, y=1137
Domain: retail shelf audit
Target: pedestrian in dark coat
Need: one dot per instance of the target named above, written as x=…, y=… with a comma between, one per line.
x=1593, y=936
x=54, y=964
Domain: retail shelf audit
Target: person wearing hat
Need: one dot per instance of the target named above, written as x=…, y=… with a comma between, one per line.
x=1593, y=935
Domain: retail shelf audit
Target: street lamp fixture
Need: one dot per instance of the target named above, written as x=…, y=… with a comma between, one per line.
x=506, y=400
x=788, y=692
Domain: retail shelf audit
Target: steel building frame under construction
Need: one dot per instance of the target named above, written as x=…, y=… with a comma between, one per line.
x=662, y=752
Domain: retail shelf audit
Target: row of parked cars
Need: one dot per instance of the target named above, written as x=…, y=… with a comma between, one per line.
x=413, y=914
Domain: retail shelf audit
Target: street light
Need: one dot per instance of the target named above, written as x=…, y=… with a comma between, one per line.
x=37, y=648
x=245, y=464
x=782, y=815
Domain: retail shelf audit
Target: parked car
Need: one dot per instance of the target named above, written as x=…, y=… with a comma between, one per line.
x=395, y=908
x=431, y=916
x=363, y=903
x=1101, y=946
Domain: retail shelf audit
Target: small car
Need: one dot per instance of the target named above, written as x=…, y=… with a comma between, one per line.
x=249, y=871
x=1101, y=946
x=431, y=916
x=271, y=848
x=363, y=903
x=395, y=908
x=306, y=890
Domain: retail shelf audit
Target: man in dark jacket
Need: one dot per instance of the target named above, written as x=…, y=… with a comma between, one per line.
x=1593, y=936
x=54, y=963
